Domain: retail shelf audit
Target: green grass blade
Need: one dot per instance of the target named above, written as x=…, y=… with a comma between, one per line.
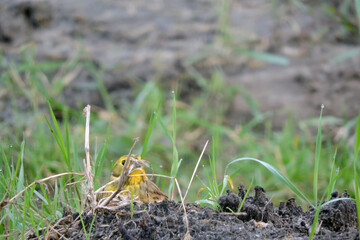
x=167, y=132
x=77, y=164
x=317, y=213
x=41, y=197
x=224, y=184
x=175, y=160
x=314, y=225
x=247, y=192
x=356, y=177
x=345, y=55
x=100, y=158
x=317, y=157
x=212, y=187
x=277, y=174
x=67, y=137
x=211, y=203
x=264, y=56
x=5, y=162
x=20, y=169
x=148, y=134
x=175, y=163
x=357, y=138
x=335, y=200
x=212, y=161
x=58, y=136
x=357, y=7
x=333, y=176
x=300, y=5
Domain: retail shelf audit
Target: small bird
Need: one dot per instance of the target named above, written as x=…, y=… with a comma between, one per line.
x=141, y=186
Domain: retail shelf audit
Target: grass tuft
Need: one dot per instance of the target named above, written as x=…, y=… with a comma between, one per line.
x=356, y=177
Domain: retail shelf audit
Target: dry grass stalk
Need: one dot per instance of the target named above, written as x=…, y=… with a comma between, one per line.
x=6, y=202
x=90, y=196
x=196, y=167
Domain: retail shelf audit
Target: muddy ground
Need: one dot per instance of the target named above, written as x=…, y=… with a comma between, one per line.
x=173, y=40
x=258, y=219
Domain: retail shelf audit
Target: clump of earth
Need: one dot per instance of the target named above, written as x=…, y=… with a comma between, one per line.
x=257, y=219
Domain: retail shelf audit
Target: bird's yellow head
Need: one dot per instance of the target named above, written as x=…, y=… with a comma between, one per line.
x=135, y=169
x=140, y=186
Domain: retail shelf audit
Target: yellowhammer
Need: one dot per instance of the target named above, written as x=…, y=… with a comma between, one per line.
x=141, y=186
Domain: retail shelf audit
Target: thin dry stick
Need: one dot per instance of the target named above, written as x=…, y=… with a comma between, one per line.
x=197, y=165
x=234, y=213
x=6, y=236
x=123, y=176
x=91, y=198
x=4, y=202
x=104, y=186
x=111, y=182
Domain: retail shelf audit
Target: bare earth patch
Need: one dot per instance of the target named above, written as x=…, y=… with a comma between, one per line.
x=258, y=219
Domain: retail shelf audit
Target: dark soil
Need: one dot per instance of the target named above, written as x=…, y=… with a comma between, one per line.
x=258, y=219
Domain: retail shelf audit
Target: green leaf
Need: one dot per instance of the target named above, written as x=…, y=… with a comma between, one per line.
x=148, y=134
x=264, y=56
x=276, y=173
x=356, y=177
x=357, y=138
x=357, y=7
x=247, y=192
x=345, y=55
x=317, y=157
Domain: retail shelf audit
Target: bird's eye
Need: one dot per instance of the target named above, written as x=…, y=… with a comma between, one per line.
x=123, y=162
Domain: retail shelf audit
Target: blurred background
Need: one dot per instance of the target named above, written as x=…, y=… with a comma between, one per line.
x=250, y=76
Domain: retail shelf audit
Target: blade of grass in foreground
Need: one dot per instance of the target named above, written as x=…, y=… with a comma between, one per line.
x=345, y=56
x=174, y=165
x=148, y=134
x=317, y=157
x=333, y=177
x=314, y=228
x=100, y=158
x=58, y=137
x=264, y=56
x=357, y=7
x=175, y=162
x=277, y=174
x=316, y=173
x=356, y=177
x=19, y=180
x=247, y=192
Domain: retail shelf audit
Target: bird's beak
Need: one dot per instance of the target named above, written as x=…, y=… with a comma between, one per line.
x=137, y=165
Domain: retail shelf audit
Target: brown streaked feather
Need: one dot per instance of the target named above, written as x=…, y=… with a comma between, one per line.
x=154, y=192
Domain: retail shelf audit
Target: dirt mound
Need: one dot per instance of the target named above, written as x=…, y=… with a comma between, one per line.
x=258, y=219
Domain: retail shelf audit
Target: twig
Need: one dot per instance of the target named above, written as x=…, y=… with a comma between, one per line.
x=104, y=186
x=6, y=236
x=91, y=198
x=197, y=165
x=234, y=213
x=124, y=175
x=5, y=202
